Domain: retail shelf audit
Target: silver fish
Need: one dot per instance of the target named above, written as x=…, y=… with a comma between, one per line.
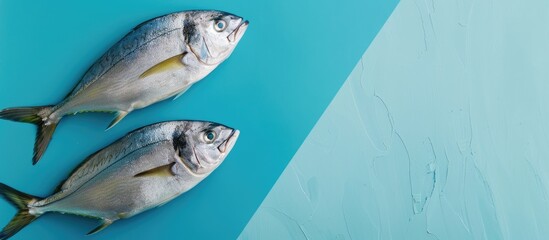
x=158, y=59
x=145, y=169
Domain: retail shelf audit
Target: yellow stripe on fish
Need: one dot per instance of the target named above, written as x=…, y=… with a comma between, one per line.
x=169, y=64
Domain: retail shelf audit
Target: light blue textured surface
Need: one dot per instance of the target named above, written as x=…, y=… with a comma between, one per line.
x=288, y=66
x=440, y=132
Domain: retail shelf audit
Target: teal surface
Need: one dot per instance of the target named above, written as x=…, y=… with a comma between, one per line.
x=440, y=132
x=290, y=63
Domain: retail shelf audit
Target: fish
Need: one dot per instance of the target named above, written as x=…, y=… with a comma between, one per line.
x=159, y=59
x=143, y=170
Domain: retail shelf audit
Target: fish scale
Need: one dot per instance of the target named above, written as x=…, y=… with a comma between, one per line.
x=106, y=158
x=127, y=45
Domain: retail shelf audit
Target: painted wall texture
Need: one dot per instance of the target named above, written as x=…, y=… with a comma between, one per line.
x=440, y=132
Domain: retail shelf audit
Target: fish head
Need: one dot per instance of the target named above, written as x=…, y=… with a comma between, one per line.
x=213, y=35
x=202, y=146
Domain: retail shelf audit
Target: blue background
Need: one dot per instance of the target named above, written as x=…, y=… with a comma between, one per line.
x=439, y=132
x=290, y=63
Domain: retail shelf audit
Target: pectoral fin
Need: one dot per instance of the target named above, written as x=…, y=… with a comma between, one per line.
x=117, y=117
x=105, y=223
x=166, y=65
x=162, y=171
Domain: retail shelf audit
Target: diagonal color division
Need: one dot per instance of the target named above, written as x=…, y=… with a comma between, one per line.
x=289, y=65
x=440, y=132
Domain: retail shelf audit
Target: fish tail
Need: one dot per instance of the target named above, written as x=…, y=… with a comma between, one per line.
x=39, y=117
x=23, y=217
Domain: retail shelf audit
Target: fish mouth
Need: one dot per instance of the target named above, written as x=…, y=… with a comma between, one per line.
x=228, y=145
x=237, y=34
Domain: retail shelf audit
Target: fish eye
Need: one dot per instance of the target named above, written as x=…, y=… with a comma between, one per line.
x=209, y=136
x=220, y=25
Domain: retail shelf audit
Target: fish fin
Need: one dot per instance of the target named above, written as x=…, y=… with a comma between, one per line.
x=117, y=117
x=43, y=138
x=34, y=115
x=123, y=215
x=104, y=224
x=162, y=171
x=166, y=65
x=23, y=217
x=181, y=93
